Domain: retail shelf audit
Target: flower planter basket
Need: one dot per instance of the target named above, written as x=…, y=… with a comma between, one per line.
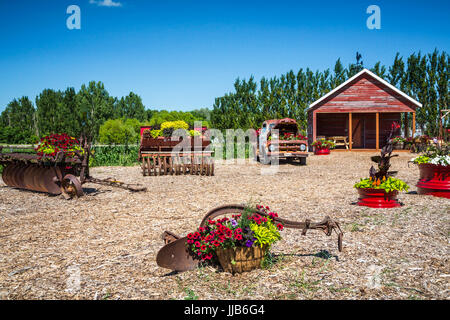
x=378, y=198
x=321, y=151
x=434, y=180
x=241, y=259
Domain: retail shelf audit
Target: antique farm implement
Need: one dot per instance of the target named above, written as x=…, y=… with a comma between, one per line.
x=54, y=174
x=175, y=155
x=280, y=138
x=175, y=255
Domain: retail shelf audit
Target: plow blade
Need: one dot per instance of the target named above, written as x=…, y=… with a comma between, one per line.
x=31, y=177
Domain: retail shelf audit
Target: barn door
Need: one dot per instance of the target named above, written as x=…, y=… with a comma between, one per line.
x=358, y=130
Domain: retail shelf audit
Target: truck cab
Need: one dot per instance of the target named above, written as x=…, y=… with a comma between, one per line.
x=281, y=138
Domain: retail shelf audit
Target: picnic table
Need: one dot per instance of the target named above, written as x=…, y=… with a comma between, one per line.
x=340, y=141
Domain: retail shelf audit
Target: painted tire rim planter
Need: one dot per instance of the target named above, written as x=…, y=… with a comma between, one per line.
x=378, y=198
x=241, y=259
x=321, y=151
x=434, y=180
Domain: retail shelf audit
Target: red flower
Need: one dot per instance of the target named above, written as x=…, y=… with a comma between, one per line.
x=395, y=125
x=197, y=244
x=280, y=226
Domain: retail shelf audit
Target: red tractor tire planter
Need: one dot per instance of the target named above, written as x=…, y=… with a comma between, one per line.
x=321, y=151
x=378, y=198
x=434, y=180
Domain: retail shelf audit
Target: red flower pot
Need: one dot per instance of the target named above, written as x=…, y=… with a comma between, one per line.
x=434, y=180
x=321, y=151
x=378, y=198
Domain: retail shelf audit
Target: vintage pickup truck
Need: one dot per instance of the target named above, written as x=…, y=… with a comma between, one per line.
x=281, y=138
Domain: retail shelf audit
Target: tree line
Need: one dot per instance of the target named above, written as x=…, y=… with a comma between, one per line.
x=72, y=112
x=424, y=77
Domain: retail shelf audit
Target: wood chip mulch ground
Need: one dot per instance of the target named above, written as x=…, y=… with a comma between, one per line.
x=103, y=245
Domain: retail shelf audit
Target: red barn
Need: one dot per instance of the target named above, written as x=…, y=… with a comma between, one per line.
x=361, y=110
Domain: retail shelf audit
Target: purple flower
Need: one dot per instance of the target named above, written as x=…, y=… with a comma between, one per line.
x=234, y=223
x=249, y=243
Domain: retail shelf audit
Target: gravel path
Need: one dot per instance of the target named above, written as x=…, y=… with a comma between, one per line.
x=103, y=246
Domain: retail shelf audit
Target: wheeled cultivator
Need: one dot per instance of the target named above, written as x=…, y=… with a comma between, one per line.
x=54, y=174
x=175, y=156
x=175, y=255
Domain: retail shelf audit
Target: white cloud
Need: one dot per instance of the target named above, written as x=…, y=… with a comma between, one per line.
x=105, y=3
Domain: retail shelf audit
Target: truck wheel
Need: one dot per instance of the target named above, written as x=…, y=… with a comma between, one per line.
x=303, y=161
x=264, y=158
x=255, y=154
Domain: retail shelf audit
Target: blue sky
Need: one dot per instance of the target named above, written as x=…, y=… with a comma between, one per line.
x=180, y=55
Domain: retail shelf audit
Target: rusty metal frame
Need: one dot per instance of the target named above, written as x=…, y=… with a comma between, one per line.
x=175, y=255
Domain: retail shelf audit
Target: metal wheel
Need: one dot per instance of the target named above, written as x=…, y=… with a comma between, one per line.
x=71, y=187
x=264, y=158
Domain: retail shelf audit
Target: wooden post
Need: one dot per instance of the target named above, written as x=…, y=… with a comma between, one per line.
x=314, y=126
x=406, y=125
x=414, y=124
x=350, y=133
x=377, y=130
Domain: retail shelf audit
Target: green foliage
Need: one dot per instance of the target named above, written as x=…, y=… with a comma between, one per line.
x=159, y=117
x=423, y=77
x=16, y=135
x=322, y=143
x=118, y=132
x=135, y=124
x=156, y=133
x=132, y=107
x=194, y=133
x=265, y=233
x=179, y=124
x=54, y=143
x=114, y=156
x=190, y=294
x=388, y=184
x=421, y=159
x=96, y=106
x=17, y=122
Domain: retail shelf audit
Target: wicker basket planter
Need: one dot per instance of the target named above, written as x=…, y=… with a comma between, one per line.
x=241, y=259
x=434, y=180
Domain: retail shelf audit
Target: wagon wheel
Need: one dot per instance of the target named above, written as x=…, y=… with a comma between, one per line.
x=71, y=187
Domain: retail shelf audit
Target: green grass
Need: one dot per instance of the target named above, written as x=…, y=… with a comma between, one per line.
x=190, y=294
x=114, y=156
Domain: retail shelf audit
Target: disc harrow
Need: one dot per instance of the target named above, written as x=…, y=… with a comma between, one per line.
x=54, y=175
